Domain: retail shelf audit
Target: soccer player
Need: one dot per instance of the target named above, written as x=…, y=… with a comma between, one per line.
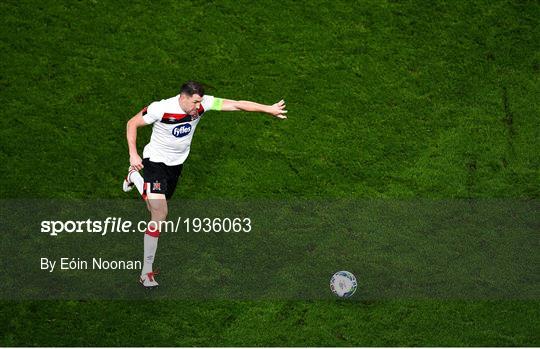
x=174, y=122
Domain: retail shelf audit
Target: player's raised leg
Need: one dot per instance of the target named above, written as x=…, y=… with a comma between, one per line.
x=157, y=205
x=132, y=179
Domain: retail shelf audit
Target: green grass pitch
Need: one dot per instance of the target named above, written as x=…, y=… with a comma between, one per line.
x=386, y=99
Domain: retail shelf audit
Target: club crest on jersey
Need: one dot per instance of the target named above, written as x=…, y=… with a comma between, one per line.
x=181, y=130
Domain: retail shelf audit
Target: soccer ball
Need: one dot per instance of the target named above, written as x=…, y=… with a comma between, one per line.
x=343, y=284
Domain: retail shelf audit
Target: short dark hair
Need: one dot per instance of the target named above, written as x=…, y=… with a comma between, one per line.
x=191, y=88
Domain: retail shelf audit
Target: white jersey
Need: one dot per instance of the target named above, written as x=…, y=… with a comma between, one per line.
x=173, y=129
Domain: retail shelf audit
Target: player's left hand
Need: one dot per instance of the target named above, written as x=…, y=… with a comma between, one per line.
x=278, y=110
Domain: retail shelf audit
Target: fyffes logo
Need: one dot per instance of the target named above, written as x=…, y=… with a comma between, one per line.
x=181, y=130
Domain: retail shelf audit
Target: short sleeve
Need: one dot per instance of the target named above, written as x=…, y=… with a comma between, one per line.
x=152, y=113
x=211, y=103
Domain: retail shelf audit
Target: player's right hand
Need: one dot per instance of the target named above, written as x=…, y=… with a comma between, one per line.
x=136, y=162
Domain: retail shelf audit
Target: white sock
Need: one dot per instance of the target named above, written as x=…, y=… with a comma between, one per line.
x=150, y=247
x=136, y=178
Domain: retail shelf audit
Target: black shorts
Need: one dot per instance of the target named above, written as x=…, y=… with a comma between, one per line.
x=160, y=178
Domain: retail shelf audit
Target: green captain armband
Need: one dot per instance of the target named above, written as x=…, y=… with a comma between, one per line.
x=217, y=105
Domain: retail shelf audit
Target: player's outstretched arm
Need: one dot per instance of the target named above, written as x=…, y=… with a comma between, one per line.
x=276, y=109
x=131, y=133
